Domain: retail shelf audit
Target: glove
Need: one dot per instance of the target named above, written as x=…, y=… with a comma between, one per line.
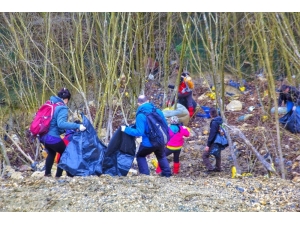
x=82, y=128
x=294, y=108
x=123, y=128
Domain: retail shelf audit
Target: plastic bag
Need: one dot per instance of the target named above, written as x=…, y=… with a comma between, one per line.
x=215, y=150
x=291, y=120
x=221, y=139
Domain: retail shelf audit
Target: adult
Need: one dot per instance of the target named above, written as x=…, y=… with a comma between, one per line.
x=58, y=125
x=289, y=96
x=141, y=129
x=214, y=129
x=185, y=92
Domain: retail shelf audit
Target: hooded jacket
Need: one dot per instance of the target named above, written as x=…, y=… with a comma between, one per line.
x=141, y=126
x=59, y=122
x=176, y=138
x=214, y=129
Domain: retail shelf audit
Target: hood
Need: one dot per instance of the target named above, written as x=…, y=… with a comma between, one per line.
x=56, y=99
x=218, y=119
x=146, y=107
x=174, y=128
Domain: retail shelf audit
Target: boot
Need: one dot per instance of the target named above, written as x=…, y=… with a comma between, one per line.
x=164, y=164
x=158, y=169
x=191, y=111
x=176, y=167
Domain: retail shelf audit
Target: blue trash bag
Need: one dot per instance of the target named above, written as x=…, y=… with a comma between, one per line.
x=206, y=114
x=291, y=120
x=86, y=154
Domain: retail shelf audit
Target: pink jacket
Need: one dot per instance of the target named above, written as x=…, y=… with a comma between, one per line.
x=176, y=140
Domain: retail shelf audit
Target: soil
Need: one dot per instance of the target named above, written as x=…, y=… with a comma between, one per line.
x=193, y=189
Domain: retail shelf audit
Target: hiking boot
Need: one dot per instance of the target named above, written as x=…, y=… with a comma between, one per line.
x=217, y=170
x=207, y=172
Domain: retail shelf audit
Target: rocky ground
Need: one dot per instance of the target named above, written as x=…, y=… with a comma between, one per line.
x=193, y=190
x=202, y=193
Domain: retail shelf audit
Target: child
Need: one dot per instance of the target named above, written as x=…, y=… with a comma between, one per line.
x=177, y=132
x=185, y=92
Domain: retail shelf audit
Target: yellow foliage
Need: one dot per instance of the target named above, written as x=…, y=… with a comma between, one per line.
x=264, y=118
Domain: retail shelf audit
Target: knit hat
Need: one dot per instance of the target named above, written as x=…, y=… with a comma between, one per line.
x=64, y=94
x=142, y=99
x=184, y=74
x=174, y=120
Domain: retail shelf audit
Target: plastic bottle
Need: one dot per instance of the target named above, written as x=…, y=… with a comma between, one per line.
x=233, y=172
x=244, y=117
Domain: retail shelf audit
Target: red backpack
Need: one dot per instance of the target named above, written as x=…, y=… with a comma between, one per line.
x=41, y=121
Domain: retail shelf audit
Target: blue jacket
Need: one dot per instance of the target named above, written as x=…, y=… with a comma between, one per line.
x=59, y=122
x=141, y=126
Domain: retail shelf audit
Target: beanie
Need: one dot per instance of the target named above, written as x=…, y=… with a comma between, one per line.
x=64, y=94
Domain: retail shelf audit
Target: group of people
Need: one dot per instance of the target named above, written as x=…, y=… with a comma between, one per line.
x=59, y=125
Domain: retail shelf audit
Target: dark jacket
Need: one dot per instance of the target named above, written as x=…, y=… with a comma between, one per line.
x=119, y=154
x=214, y=129
x=293, y=95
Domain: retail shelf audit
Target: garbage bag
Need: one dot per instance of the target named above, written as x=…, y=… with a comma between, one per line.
x=234, y=105
x=84, y=155
x=181, y=112
x=120, y=154
x=291, y=120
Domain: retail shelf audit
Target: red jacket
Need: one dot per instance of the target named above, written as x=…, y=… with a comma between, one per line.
x=186, y=85
x=182, y=87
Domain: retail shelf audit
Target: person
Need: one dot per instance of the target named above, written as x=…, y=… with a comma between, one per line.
x=146, y=148
x=289, y=96
x=185, y=92
x=214, y=129
x=52, y=140
x=177, y=134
